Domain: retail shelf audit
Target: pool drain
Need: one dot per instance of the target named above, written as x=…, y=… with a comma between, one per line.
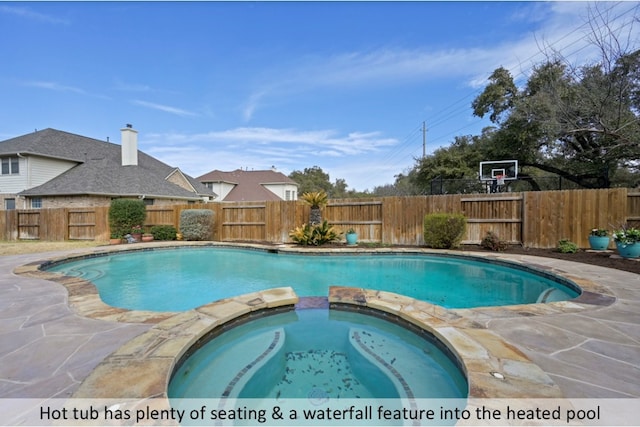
x=318, y=396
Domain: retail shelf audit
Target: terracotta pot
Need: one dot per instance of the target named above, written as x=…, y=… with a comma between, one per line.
x=115, y=241
x=147, y=238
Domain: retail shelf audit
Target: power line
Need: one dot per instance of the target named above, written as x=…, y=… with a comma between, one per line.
x=455, y=108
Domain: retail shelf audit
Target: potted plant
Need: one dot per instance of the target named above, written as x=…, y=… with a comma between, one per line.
x=147, y=237
x=136, y=232
x=352, y=237
x=627, y=242
x=599, y=239
x=115, y=239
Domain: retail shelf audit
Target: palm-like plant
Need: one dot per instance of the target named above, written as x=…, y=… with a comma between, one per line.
x=314, y=235
x=317, y=200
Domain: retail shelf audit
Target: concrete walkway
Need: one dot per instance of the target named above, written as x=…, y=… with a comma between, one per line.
x=46, y=350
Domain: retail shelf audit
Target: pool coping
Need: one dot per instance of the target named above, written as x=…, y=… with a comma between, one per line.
x=493, y=367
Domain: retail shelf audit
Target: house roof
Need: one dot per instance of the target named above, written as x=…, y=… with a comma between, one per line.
x=99, y=170
x=248, y=185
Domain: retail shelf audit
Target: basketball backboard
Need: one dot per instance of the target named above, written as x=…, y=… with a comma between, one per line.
x=499, y=170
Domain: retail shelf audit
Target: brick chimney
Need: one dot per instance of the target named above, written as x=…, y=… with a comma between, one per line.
x=129, y=141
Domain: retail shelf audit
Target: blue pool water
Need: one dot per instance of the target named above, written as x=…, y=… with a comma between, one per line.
x=182, y=279
x=318, y=354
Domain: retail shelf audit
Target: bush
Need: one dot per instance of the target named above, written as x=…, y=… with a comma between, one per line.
x=567, y=247
x=444, y=231
x=124, y=214
x=164, y=232
x=196, y=224
x=314, y=235
x=492, y=242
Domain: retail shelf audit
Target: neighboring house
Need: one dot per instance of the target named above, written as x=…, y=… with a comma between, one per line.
x=244, y=185
x=51, y=168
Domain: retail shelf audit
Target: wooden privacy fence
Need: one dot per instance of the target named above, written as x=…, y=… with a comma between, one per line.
x=55, y=224
x=533, y=219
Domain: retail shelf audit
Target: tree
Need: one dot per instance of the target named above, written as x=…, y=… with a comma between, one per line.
x=459, y=161
x=312, y=179
x=403, y=186
x=579, y=122
x=317, y=200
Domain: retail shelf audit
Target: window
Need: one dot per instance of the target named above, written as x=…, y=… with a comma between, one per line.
x=148, y=202
x=10, y=166
x=9, y=204
x=36, y=202
x=287, y=195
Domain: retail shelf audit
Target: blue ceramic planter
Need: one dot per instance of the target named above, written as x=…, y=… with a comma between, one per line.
x=352, y=238
x=628, y=250
x=598, y=243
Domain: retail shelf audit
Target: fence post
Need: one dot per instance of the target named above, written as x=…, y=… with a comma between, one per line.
x=523, y=219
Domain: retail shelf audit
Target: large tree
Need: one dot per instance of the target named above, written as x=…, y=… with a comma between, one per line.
x=454, y=169
x=314, y=179
x=580, y=123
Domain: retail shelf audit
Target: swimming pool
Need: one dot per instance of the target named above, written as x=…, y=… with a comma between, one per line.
x=185, y=278
x=320, y=355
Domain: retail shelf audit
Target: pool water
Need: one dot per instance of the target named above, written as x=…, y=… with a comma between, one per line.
x=320, y=355
x=182, y=279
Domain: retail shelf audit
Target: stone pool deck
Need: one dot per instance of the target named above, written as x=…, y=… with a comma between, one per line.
x=59, y=340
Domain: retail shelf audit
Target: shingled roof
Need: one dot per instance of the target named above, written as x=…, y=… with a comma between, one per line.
x=99, y=170
x=249, y=185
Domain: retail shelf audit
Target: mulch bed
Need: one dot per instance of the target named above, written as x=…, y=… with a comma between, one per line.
x=604, y=259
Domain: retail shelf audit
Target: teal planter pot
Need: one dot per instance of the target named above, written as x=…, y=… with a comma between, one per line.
x=628, y=250
x=352, y=239
x=598, y=243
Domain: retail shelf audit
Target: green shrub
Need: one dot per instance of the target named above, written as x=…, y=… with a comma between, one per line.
x=314, y=235
x=124, y=214
x=567, y=247
x=444, y=231
x=492, y=242
x=164, y=232
x=196, y=224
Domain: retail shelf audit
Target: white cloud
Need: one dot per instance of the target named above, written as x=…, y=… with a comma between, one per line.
x=58, y=87
x=23, y=12
x=352, y=143
x=165, y=108
x=252, y=103
x=131, y=87
x=55, y=86
x=260, y=148
x=559, y=26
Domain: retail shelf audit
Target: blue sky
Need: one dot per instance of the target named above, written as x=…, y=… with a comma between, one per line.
x=341, y=85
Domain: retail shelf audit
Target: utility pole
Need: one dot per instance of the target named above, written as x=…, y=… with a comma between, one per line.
x=424, y=140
